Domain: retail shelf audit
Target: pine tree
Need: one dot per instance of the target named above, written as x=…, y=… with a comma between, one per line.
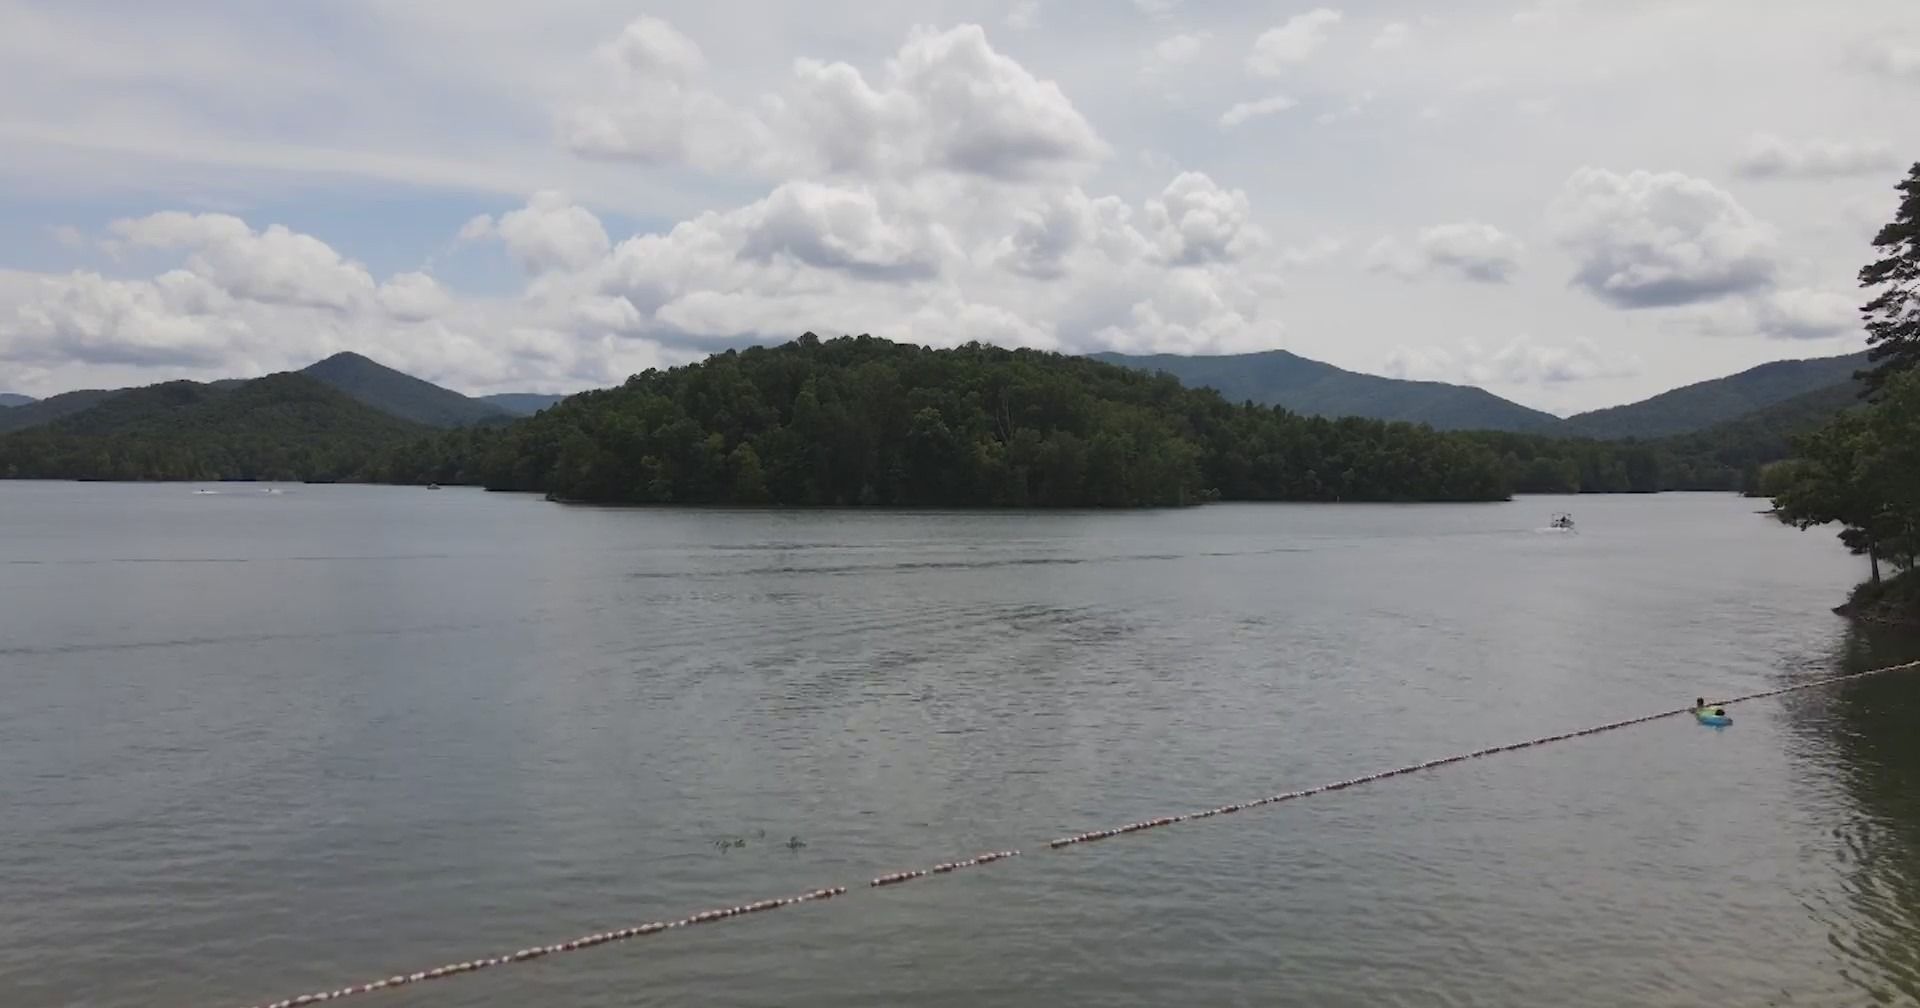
x=1893, y=316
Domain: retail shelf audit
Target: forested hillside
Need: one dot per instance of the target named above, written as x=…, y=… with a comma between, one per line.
x=282, y=427
x=45, y=411
x=859, y=420
x=399, y=394
x=1704, y=404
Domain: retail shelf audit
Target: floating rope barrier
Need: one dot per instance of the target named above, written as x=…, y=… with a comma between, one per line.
x=538, y=951
x=1107, y=834
x=895, y=878
x=940, y=869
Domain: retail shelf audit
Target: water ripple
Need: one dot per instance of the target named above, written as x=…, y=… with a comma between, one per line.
x=538, y=720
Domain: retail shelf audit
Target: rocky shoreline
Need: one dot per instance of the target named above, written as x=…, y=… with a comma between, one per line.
x=1894, y=601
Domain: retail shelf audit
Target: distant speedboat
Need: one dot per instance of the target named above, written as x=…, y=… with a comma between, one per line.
x=433, y=486
x=1562, y=521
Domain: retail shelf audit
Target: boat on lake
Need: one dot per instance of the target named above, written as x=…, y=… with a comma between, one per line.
x=1562, y=520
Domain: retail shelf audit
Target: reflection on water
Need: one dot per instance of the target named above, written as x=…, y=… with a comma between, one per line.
x=259, y=744
x=1873, y=727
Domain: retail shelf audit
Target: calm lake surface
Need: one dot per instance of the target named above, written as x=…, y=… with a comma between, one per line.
x=253, y=745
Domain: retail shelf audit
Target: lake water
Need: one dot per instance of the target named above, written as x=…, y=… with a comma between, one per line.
x=257, y=744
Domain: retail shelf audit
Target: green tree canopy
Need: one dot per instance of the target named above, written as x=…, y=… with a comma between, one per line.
x=1862, y=470
x=1893, y=316
x=859, y=420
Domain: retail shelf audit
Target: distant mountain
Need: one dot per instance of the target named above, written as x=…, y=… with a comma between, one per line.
x=14, y=399
x=1799, y=388
x=43, y=411
x=284, y=426
x=522, y=403
x=402, y=395
x=1766, y=434
x=280, y=400
x=1279, y=378
x=392, y=392
x=1806, y=410
x=1701, y=405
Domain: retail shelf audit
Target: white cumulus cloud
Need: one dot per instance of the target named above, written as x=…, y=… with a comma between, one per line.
x=1196, y=220
x=831, y=169
x=651, y=105
x=1806, y=313
x=1277, y=49
x=1047, y=238
x=1654, y=239
x=1058, y=267
x=847, y=230
x=272, y=266
x=551, y=232
x=946, y=102
x=1469, y=249
x=1790, y=313
x=414, y=297
x=1177, y=50
x=1769, y=156
x=1244, y=111
x=242, y=300
x=176, y=319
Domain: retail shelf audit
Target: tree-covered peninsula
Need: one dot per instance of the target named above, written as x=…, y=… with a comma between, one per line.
x=865, y=421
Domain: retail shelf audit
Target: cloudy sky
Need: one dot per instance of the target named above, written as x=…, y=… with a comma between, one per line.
x=1571, y=203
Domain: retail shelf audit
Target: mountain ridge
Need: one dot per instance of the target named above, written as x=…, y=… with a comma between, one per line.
x=399, y=394
x=361, y=378
x=286, y=425
x=52, y=408
x=1703, y=404
x=1273, y=377
x=294, y=425
x=1315, y=388
x=1303, y=385
x=523, y=403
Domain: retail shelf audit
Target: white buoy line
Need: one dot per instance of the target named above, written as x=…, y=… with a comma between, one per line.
x=533, y=952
